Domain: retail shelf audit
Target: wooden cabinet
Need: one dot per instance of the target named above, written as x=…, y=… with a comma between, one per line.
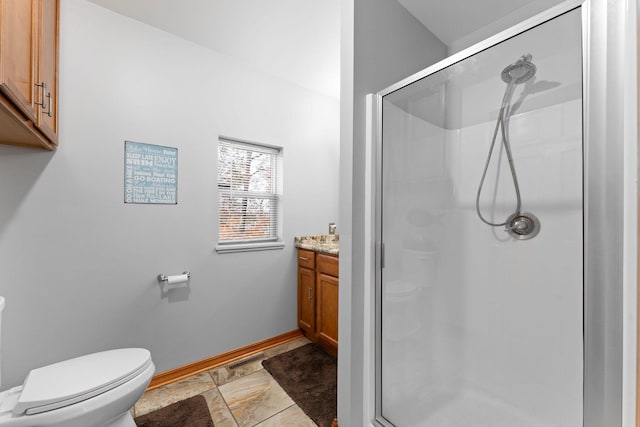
x=18, y=38
x=29, y=73
x=47, y=121
x=327, y=310
x=318, y=298
x=306, y=292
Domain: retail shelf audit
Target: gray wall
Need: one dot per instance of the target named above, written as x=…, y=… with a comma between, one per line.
x=501, y=23
x=79, y=266
x=382, y=44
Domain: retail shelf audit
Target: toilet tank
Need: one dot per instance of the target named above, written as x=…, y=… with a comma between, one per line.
x=418, y=267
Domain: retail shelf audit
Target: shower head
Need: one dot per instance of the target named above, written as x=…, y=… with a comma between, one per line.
x=520, y=71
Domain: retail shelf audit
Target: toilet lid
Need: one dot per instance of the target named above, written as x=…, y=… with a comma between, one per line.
x=75, y=380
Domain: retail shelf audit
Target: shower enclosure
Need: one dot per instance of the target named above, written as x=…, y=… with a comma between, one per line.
x=480, y=205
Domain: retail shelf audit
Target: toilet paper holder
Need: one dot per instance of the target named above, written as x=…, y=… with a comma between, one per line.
x=165, y=278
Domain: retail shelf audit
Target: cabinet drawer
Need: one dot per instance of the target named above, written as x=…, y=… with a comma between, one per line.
x=306, y=258
x=327, y=265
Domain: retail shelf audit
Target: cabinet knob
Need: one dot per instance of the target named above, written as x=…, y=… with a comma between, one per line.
x=43, y=87
x=48, y=112
x=304, y=258
x=309, y=294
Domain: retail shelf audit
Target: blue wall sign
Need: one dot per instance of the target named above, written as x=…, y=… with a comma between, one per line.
x=150, y=174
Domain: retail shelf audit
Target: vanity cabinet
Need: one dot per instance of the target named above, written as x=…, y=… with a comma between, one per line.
x=327, y=302
x=318, y=298
x=306, y=292
x=29, y=73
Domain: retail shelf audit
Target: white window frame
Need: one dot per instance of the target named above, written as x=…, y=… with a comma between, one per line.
x=253, y=245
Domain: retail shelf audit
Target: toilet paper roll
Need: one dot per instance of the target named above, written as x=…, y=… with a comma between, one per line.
x=177, y=279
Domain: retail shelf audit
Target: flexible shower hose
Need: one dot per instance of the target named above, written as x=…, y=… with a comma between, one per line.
x=501, y=123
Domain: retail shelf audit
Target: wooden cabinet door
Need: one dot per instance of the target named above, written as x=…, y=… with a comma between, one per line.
x=306, y=301
x=48, y=67
x=18, y=47
x=327, y=311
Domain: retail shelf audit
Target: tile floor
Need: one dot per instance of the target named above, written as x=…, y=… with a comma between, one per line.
x=239, y=394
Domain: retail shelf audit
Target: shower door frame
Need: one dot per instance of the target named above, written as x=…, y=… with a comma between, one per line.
x=603, y=398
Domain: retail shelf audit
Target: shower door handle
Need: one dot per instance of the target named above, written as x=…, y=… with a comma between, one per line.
x=381, y=252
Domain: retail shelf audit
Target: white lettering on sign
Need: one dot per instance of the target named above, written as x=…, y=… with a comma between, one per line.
x=151, y=174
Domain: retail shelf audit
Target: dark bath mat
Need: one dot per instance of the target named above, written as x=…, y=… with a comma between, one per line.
x=191, y=412
x=309, y=376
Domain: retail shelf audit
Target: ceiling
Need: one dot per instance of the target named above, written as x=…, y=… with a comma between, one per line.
x=460, y=23
x=299, y=40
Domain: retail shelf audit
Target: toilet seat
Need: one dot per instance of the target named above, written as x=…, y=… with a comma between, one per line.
x=74, y=380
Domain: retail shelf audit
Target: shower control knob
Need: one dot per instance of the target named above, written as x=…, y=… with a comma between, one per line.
x=522, y=225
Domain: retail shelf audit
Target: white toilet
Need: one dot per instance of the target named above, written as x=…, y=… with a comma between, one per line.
x=94, y=390
x=403, y=298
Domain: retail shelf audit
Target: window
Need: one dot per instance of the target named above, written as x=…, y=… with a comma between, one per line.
x=249, y=193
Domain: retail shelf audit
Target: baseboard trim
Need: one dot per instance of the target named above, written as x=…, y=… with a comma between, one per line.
x=185, y=371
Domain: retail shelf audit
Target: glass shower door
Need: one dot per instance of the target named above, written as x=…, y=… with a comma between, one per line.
x=479, y=324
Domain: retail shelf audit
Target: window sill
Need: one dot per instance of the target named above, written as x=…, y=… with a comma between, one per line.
x=248, y=247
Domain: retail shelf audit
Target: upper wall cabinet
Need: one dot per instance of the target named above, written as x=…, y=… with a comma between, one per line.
x=29, y=73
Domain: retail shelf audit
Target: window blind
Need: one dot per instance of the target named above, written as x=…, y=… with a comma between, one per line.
x=249, y=192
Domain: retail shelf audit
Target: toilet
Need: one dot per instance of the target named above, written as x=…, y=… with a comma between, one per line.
x=94, y=390
x=403, y=296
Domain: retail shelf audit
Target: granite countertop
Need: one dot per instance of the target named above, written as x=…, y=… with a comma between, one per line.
x=326, y=243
